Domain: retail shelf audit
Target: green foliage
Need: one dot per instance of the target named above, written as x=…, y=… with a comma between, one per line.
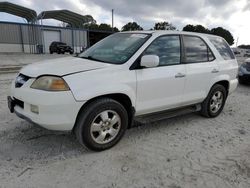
x=243, y=46
x=196, y=28
x=88, y=19
x=131, y=26
x=219, y=31
x=101, y=27
x=164, y=26
x=107, y=27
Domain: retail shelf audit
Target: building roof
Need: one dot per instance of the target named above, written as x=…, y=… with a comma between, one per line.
x=72, y=18
x=17, y=10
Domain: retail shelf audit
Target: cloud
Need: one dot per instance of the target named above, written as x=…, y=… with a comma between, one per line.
x=247, y=6
x=230, y=14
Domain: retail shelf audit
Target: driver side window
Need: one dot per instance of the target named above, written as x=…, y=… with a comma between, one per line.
x=168, y=49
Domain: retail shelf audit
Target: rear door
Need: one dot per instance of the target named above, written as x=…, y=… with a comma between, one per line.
x=201, y=66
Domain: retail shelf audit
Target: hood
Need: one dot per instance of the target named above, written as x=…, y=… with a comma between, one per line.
x=62, y=66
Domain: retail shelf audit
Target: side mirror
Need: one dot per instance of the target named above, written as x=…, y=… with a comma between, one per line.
x=150, y=61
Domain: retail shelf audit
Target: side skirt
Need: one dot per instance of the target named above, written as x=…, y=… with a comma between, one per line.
x=148, y=118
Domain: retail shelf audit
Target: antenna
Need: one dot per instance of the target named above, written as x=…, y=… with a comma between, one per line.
x=237, y=42
x=112, y=19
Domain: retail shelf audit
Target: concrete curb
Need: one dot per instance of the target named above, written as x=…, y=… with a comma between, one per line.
x=9, y=69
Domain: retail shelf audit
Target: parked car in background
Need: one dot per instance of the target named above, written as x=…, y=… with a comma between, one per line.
x=141, y=75
x=247, y=53
x=60, y=48
x=244, y=72
x=236, y=52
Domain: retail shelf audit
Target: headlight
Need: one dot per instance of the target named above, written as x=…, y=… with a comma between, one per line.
x=50, y=83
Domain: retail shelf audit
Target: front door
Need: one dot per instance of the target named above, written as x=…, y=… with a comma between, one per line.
x=161, y=87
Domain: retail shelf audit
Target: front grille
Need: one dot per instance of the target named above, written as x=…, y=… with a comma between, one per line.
x=20, y=80
x=19, y=103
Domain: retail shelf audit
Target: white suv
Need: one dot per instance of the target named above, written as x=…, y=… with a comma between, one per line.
x=145, y=75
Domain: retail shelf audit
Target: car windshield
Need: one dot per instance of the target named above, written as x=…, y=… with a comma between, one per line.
x=117, y=48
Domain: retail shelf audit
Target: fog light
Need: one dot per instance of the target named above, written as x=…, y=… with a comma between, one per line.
x=34, y=109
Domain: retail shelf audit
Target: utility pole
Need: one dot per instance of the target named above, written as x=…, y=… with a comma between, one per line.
x=112, y=19
x=237, y=42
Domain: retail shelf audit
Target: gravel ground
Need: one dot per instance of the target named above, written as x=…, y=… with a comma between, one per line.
x=185, y=152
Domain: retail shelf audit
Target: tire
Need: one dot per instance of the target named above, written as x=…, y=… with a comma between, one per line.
x=71, y=53
x=213, y=105
x=63, y=52
x=58, y=52
x=50, y=52
x=99, y=137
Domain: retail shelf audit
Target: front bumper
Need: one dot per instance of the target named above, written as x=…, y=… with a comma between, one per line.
x=56, y=110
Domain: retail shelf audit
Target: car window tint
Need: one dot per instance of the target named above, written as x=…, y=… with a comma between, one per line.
x=196, y=50
x=222, y=47
x=167, y=48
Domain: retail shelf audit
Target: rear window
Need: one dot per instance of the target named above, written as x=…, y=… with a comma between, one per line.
x=222, y=47
x=196, y=50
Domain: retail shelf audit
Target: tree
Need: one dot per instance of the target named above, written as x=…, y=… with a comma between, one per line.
x=164, y=26
x=196, y=28
x=219, y=31
x=88, y=19
x=131, y=26
x=107, y=27
x=243, y=46
x=101, y=27
x=91, y=26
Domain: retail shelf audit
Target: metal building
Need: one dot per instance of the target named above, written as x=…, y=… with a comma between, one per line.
x=16, y=37
x=32, y=37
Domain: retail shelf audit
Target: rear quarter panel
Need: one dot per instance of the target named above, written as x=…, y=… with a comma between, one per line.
x=228, y=69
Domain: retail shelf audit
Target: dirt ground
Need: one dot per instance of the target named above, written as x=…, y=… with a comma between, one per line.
x=20, y=59
x=184, y=152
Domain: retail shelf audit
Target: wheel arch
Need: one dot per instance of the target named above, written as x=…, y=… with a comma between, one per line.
x=119, y=97
x=224, y=83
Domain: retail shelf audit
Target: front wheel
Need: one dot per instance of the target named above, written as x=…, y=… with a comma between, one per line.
x=101, y=124
x=215, y=101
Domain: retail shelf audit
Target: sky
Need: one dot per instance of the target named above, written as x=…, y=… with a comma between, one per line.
x=233, y=15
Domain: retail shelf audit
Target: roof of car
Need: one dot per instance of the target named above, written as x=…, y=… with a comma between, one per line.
x=169, y=32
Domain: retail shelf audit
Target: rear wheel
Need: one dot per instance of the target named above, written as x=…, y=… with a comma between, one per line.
x=215, y=101
x=101, y=124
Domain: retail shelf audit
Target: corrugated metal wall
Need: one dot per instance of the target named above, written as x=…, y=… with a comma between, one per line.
x=10, y=33
x=27, y=37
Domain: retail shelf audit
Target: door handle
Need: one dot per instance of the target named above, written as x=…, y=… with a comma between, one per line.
x=180, y=75
x=215, y=71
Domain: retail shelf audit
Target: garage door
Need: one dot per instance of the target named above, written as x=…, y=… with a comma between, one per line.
x=49, y=37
